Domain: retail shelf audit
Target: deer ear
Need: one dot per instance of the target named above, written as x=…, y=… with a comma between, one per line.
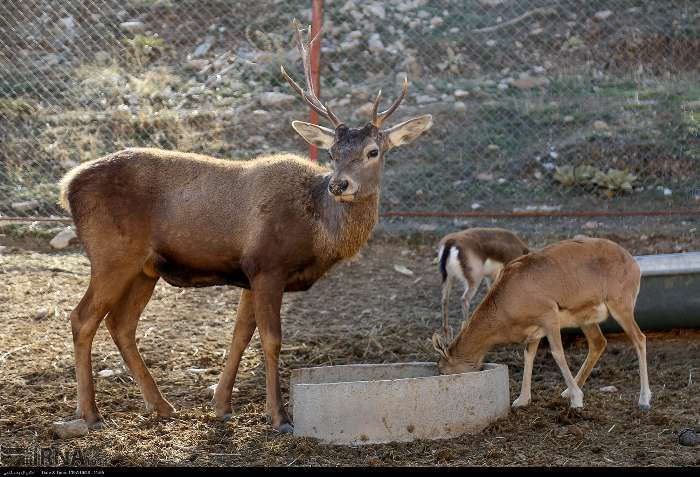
x=313, y=134
x=439, y=345
x=408, y=131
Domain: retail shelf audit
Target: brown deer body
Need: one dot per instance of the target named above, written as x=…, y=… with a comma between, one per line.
x=470, y=256
x=269, y=225
x=573, y=283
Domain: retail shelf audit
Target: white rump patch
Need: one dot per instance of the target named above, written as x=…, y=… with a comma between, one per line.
x=454, y=268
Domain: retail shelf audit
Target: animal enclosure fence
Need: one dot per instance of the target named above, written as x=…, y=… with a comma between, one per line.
x=540, y=106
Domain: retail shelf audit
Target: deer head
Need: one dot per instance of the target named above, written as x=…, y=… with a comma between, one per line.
x=357, y=154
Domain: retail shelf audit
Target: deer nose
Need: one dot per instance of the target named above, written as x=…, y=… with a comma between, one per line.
x=338, y=187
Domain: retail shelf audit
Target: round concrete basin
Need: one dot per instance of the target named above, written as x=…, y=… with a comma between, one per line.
x=378, y=403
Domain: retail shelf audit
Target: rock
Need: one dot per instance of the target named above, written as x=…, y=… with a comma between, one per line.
x=590, y=225
x=568, y=119
x=492, y=147
x=108, y=373
x=133, y=26
x=528, y=82
x=667, y=192
x=68, y=23
x=198, y=370
x=460, y=93
x=688, y=437
x=274, y=99
x=491, y=43
x=69, y=429
x=204, y=47
x=376, y=9
x=403, y=270
x=484, y=176
x=197, y=64
x=375, y=43
x=606, y=389
x=460, y=107
x=600, y=125
x=602, y=15
x=25, y=206
x=476, y=206
x=63, y=238
x=424, y=98
x=44, y=313
x=491, y=3
x=436, y=22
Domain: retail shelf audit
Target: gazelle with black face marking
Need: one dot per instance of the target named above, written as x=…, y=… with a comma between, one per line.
x=271, y=225
x=573, y=283
x=470, y=256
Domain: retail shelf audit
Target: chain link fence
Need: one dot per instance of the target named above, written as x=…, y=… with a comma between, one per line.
x=539, y=105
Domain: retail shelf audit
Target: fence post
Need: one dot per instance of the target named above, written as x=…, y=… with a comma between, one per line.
x=316, y=22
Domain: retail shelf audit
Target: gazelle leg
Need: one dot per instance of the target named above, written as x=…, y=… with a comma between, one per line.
x=470, y=289
x=242, y=333
x=446, y=288
x=596, y=346
x=530, y=351
x=624, y=315
x=557, y=350
x=122, y=322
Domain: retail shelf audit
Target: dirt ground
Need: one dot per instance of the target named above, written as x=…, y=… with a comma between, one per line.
x=362, y=312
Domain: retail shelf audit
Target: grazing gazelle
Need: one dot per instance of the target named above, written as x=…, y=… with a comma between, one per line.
x=573, y=283
x=271, y=225
x=470, y=256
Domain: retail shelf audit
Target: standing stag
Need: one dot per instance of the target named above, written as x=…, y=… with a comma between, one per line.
x=270, y=225
x=573, y=283
x=470, y=256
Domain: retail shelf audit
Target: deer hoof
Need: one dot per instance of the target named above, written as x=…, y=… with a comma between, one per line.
x=644, y=407
x=225, y=416
x=286, y=428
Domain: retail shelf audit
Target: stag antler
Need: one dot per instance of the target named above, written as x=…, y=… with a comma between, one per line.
x=309, y=95
x=378, y=119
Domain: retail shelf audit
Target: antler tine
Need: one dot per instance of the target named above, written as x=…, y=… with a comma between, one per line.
x=381, y=117
x=309, y=95
x=375, y=107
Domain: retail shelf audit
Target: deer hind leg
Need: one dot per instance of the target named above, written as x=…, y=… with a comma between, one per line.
x=267, y=301
x=553, y=334
x=102, y=294
x=525, y=393
x=596, y=346
x=446, y=288
x=122, y=322
x=242, y=333
x=623, y=313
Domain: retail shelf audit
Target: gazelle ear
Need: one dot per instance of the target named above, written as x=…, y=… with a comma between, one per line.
x=439, y=345
x=313, y=134
x=408, y=131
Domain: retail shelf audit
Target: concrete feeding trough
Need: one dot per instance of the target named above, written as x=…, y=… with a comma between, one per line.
x=379, y=403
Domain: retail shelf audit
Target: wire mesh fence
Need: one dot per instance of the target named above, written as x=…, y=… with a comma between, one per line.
x=539, y=105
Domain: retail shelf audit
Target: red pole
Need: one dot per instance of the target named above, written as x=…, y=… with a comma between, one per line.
x=316, y=22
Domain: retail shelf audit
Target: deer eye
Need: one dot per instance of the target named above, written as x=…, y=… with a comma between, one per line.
x=373, y=153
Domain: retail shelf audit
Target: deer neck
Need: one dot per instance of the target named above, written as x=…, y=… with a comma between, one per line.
x=342, y=228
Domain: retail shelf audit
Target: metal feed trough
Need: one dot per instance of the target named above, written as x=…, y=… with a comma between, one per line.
x=378, y=403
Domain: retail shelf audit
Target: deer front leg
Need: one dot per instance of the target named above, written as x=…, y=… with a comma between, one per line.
x=242, y=333
x=267, y=301
x=525, y=394
x=557, y=349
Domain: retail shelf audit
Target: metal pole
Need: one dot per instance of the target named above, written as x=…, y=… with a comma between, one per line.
x=316, y=22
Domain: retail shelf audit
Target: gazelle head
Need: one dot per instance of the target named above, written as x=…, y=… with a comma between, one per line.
x=357, y=154
x=449, y=364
